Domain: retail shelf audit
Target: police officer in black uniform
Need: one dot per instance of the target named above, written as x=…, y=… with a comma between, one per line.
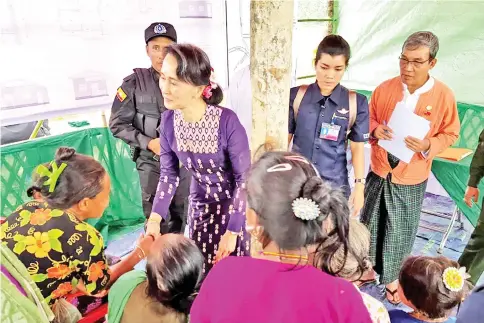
x=135, y=118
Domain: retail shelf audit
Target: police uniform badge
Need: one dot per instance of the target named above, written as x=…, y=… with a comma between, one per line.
x=159, y=29
x=121, y=95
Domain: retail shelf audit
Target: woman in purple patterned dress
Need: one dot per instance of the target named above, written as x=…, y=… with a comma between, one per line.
x=212, y=144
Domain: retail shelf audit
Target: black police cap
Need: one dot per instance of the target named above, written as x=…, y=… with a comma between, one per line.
x=160, y=29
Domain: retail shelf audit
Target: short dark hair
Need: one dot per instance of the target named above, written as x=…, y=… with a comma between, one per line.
x=333, y=45
x=194, y=68
x=82, y=178
x=422, y=284
x=175, y=273
x=271, y=194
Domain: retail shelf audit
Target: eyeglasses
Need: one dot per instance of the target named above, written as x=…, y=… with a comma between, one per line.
x=417, y=64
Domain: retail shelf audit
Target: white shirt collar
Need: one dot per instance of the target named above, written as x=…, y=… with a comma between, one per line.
x=424, y=88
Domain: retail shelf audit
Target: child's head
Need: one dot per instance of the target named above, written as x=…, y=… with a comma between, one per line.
x=425, y=288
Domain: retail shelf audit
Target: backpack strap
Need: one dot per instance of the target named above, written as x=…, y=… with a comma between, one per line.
x=299, y=97
x=353, y=110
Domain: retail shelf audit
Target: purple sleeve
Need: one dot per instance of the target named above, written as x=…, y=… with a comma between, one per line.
x=169, y=170
x=239, y=155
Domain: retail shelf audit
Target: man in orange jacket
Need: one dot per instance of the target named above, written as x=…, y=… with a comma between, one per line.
x=395, y=190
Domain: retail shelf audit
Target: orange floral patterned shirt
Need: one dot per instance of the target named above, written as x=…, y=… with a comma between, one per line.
x=57, y=249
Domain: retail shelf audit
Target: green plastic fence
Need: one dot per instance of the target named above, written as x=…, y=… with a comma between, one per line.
x=18, y=162
x=453, y=176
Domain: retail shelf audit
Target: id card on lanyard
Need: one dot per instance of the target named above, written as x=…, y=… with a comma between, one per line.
x=329, y=131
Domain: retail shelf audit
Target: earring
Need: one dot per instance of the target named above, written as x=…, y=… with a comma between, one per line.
x=255, y=233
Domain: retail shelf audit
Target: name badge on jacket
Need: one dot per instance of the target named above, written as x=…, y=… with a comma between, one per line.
x=329, y=131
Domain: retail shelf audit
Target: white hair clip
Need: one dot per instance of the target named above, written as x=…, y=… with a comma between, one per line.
x=304, y=160
x=297, y=158
x=279, y=168
x=454, y=278
x=305, y=209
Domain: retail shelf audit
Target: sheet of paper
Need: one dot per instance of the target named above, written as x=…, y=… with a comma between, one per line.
x=404, y=123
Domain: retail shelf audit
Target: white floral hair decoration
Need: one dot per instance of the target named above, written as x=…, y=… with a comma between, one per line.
x=454, y=278
x=305, y=209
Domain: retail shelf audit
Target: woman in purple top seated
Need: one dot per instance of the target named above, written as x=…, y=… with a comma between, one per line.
x=212, y=144
x=287, y=205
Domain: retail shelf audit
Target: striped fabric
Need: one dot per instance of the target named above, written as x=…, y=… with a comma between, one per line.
x=391, y=213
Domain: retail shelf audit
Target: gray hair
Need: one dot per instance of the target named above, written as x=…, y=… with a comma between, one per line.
x=357, y=262
x=423, y=38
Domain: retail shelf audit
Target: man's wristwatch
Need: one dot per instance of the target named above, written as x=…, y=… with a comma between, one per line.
x=360, y=180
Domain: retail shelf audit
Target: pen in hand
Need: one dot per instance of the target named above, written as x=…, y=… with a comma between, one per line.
x=386, y=134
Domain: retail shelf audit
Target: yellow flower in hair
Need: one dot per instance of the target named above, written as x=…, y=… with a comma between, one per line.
x=454, y=278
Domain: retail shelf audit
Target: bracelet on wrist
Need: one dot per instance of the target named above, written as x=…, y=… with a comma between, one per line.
x=142, y=251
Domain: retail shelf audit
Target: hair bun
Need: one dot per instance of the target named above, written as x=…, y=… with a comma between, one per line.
x=316, y=189
x=32, y=189
x=64, y=153
x=367, y=263
x=183, y=303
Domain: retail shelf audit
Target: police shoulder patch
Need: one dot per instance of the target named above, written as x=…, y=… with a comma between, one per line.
x=121, y=95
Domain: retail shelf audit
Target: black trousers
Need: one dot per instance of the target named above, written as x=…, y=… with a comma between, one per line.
x=473, y=256
x=149, y=174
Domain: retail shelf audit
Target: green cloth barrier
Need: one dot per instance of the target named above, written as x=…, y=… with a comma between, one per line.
x=79, y=124
x=453, y=176
x=19, y=160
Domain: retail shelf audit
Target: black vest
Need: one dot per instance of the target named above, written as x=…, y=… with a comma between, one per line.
x=149, y=103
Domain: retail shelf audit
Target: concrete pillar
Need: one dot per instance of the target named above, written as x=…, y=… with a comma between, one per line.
x=271, y=25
